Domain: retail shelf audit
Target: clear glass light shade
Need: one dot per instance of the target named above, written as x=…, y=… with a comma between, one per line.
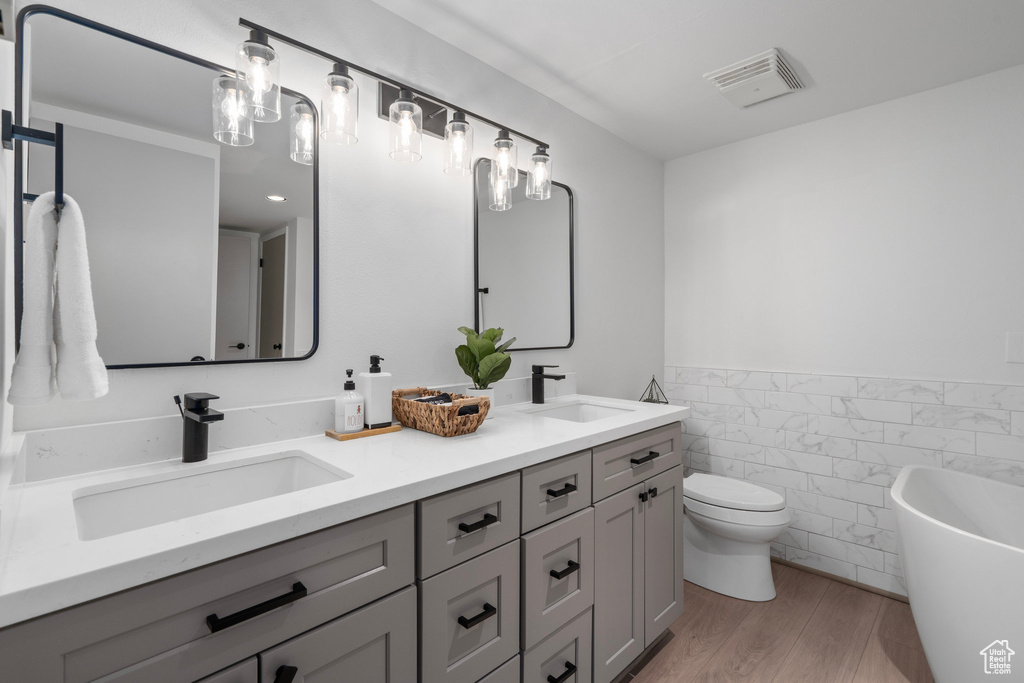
x=259, y=68
x=538, y=175
x=500, y=192
x=303, y=133
x=230, y=124
x=406, y=129
x=505, y=157
x=458, y=140
x=339, y=109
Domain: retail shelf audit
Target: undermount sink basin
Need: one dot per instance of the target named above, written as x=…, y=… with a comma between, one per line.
x=108, y=509
x=580, y=411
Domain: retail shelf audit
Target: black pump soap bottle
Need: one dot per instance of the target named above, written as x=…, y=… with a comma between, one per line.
x=376, y=389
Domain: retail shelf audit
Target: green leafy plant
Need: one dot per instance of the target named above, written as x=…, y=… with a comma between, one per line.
x=481, y=360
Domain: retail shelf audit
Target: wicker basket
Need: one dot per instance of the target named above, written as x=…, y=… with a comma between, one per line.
x=443, y=420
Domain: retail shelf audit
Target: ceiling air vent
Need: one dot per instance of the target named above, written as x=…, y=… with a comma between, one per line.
x=757, y=79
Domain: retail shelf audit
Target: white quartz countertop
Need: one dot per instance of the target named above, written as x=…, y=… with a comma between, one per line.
x=46, y=567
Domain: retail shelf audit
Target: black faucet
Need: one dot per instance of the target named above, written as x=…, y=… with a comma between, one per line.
x=195, y=431
x=538, y=381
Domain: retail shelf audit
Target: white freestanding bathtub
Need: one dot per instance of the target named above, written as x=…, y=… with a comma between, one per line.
x=962, y=546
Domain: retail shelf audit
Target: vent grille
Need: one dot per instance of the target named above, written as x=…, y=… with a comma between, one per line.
x=762, y=77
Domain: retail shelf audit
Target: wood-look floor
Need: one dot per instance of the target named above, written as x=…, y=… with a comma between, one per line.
x=815, y=630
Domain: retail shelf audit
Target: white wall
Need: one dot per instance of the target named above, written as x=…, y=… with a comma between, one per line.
x=885, y=241
x=384, y=225
x=880, y=250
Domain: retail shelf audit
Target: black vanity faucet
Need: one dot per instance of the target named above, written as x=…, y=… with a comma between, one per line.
x=538, y=381
x=195, y=431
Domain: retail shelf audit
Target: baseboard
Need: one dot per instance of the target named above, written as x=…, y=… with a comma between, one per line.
x=840, y=579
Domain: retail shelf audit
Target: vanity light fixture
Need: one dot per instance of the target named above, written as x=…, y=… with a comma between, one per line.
x=339, y=107
x=458, y=140
x=303, y=131
x=259, y=69
x=406, y=128
x=505, y=156
x=276, y=198
x=538, y=175
x=230, y=124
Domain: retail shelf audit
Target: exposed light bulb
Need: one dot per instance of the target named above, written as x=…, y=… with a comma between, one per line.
x=339, y=107
x=458, y=135
x=406, y=128
x=538, y=176
x=258, y=68
x=303, y=133
x=230, y=124
x=505, y=158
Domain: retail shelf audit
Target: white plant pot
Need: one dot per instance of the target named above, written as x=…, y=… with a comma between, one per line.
x=489, y=393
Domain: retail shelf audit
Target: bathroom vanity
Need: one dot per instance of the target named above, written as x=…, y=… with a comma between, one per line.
x=546, y=546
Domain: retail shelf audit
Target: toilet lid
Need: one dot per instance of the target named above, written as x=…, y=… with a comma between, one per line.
x=731, y=493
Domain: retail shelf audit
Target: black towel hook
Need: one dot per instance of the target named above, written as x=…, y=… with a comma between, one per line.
x=55, y=139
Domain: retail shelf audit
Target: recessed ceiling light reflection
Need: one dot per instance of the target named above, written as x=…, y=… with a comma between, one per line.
x=276, y=198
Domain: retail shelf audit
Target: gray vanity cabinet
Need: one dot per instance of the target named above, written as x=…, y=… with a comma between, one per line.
x=639, y=572
x=375, y=644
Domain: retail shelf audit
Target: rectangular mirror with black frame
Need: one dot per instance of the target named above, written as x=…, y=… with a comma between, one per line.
x=200, y=252
x=524, y=264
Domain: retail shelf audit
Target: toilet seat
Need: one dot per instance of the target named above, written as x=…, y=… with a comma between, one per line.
x=735, y=494
x=734, y=516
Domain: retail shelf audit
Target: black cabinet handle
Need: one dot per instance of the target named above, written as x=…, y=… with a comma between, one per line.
x=239, y=346
x=573, y=567
x=488, y=520
x=564, y=491
x=654, y=492
x=277, y=347
x=217, y=624
x=570, y=669
x=647, y=458
x=489, y=611
x=285, y=674
x=644, y=496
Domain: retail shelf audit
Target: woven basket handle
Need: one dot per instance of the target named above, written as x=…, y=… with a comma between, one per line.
x=399, y=393
x=472, y=400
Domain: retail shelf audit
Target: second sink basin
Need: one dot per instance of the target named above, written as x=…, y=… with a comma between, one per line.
x=580, y=411
x=108, y=509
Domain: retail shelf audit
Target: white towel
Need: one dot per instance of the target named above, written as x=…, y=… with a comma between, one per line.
x=61, y=316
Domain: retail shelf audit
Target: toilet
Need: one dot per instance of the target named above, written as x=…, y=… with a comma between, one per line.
x=728, y=527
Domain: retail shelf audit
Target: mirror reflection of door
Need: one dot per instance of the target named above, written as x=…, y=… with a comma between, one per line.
x=237, y=294
x=272, y=275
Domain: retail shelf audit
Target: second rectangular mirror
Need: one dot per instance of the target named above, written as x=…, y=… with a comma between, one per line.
x=524, y=265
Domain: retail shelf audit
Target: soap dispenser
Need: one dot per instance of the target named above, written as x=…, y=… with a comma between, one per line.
x=348, y=408
x=376, y=388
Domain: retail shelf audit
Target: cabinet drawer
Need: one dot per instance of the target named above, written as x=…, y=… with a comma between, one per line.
x=564, y=655
x=243, y=672
x=553, y=490
x=506, y=673
x=459, y=525
x=161, y=633
x=375, y=644
x=620, y=464
x=469, y=618
x=549, y=601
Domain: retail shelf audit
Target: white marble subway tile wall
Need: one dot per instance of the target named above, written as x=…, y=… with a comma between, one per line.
x=833, y=445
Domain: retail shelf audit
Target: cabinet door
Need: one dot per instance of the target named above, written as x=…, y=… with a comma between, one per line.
x=243, y=672
x=663, y=552
x=618, y=582
x=375, y=644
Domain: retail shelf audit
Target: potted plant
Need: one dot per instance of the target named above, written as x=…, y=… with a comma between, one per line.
x=483, y=361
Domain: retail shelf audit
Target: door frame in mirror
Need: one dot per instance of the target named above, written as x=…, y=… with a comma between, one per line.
x=572, y=260
x=19, y=64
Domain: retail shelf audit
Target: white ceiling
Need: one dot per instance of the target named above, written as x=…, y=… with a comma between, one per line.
x=635, y=67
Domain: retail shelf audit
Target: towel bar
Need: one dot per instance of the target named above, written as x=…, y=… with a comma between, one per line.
x=55, y=139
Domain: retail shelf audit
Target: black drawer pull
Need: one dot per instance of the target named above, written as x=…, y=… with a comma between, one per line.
x=653, y=492
x=217, y=624
x=564, y=491
x=285, y=674
x=573, y=567
x=570, y=669
x=644, y=496
x=489, y=611
x=647, y=458
x=488, y=520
